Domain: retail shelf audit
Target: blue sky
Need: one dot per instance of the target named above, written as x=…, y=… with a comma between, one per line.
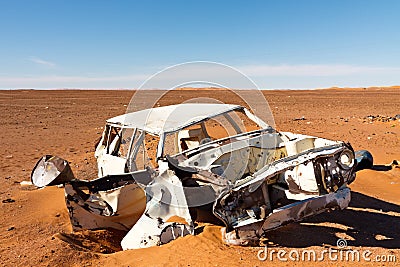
x=279, y=44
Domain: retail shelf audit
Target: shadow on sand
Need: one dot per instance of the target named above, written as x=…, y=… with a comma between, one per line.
x=369, y=221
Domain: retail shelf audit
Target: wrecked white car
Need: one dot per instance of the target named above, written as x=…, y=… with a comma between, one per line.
x=158, y=167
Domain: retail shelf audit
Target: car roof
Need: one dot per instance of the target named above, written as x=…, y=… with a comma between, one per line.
x=170, y=118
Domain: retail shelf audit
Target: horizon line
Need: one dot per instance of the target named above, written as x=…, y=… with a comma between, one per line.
x=199, y=88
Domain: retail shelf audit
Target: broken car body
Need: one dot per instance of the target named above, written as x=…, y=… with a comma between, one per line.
x=158, y=167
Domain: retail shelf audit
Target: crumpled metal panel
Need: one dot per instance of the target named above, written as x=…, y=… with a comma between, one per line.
x=166, y=216
x=301, y=179
x=301, y=209
x=286, y=163
x=118, y=208
x=241, y=205
x=287, y=214
x=113, y=201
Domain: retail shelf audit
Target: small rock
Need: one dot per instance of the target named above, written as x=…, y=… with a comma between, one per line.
x=8, y=200
x=11, y=228
x=382, y=237
x=382, y=118
x=25, y=183
x=302, y=118
x=9, y=156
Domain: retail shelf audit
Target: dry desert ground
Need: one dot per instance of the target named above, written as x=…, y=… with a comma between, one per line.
x=67, y=123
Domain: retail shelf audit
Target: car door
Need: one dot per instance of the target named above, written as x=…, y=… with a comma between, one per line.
x=112, y=158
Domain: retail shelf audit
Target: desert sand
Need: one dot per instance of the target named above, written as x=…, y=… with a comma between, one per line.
x=67, y=123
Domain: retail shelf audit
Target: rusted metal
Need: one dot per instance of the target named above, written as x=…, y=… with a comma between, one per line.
x=251, y=181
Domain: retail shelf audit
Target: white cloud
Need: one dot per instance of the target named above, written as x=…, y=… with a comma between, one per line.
x=42, y=62
x=72, y=78
x=266, y=76
x=314, y=70
x=60, y=81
